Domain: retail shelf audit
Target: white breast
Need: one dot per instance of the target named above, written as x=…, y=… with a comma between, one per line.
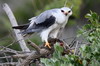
x=60, y=18
x=53, y=30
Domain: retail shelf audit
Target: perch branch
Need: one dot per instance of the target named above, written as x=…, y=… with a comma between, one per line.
x=37, y=48
x=40, y=51
x=13, y=21
x=43, y=51
x=35, y=55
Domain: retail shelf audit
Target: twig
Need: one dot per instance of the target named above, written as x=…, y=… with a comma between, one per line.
x=66, y=45
x=34, y=46
x=73, y=42
x=8, y=50
x=6, y=58
x=9, y=64
x=14, y=23
x=76, y=47
x=4, y=49
x=65, y=3
x=16, y=56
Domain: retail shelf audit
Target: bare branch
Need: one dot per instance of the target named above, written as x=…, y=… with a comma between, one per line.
x=16, y=56
x=14, y=23
x=37, y=48
x=76, y=47
x=9, y=64
x=4, y=49
x=37, y=54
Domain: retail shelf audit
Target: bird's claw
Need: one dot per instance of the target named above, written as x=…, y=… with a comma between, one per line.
x=47, y=45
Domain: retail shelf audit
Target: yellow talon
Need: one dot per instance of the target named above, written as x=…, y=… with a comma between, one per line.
x=47, y=44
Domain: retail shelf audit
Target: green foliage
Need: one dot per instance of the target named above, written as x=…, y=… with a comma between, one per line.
x=90, y=54
x=59, y=60
x=91, y=33
x=60, y=3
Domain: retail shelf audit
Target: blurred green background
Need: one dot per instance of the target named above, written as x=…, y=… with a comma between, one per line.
x=25, y=9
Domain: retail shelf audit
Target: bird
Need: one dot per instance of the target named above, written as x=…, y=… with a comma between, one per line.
x=47, y=24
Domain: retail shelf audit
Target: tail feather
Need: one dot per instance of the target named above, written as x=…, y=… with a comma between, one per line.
x=28, y=35
x=22, y=27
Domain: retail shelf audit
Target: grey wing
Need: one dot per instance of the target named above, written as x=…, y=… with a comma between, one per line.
x=43, y=16
x=41, y=22
x=32, y=21
x=39, y=19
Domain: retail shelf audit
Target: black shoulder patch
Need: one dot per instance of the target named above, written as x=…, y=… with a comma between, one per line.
x=47, y=23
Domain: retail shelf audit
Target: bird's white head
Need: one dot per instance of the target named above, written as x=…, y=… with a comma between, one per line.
x=66, y=11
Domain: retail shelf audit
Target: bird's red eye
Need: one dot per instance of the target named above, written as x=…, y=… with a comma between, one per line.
x=62, y=11
x=69, y=11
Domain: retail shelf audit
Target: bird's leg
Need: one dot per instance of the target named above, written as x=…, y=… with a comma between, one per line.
x=47, y=44
x=44, y=36
x=54, y=34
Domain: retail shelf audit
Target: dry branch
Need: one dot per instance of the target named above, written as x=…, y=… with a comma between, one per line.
x=5, y=49
x=13, y=21
x=37, y=48
x=9, y=50
x=40, y=52
x=9, y=64
x=16, y=56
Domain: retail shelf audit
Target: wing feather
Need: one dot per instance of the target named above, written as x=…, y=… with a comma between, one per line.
x=41, y=22
x=45, y=15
